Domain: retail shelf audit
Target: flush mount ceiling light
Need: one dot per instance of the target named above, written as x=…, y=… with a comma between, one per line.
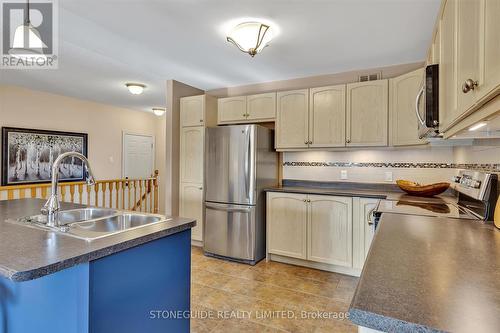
x=159, y=111
x=135, y=88
x=250, y=37
x=477, y=126
x=27, y=43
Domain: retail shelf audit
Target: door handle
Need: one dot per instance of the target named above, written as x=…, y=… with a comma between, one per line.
x=369, y=216
x=227, y=208
x=417, y=103
x=469, y=85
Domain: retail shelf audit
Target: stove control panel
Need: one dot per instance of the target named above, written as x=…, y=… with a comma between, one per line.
x=473, y=183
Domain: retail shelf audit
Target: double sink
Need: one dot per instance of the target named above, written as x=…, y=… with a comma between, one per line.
x=92, y=223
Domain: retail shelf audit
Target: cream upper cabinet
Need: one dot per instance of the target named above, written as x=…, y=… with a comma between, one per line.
x=232, y=109
x=192, y=111
x=261, y=107
x=469, y=25
x=403, y=124
x=367, y=113
x=447, y=67
x=330, y=230
x=491, y=68
x=191, y=206
x=327, y=116
x=292, y=119
x=287, y=224
x=192, y=150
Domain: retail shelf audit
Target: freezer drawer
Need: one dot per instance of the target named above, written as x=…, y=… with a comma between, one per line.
x=230, y=230
x=230, y=164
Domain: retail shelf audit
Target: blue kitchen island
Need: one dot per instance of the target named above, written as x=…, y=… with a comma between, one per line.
x=50, y=282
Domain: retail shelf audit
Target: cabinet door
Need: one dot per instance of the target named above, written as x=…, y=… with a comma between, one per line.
x=261, y=107
x=286, y=224
x=330, y=230
x=191, y=206
x=491, y=67
x=232, y=109
x=191, y=154
x=292, y=119
x=403, y=124
x=469, y=23
x=367, y=113
x=327, y=116
x=192, y=111
x=366, y=208
x=447, y=66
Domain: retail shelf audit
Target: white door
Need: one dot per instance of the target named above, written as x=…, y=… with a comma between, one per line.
x=138, y=156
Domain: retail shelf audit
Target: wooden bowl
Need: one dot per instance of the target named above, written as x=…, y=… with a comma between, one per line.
x=422, y=190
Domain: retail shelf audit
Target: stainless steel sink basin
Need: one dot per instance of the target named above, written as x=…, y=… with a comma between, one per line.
x=93, y=223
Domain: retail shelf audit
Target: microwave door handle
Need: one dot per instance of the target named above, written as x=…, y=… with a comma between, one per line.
x=417, y=103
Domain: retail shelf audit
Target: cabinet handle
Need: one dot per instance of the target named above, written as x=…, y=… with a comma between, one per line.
x=247, y=115
x=201, y=120
x=417, y=104
x=306, y=142
x=200, y=188
x=348, y=141
x=305, y=200
x=308, y=200
x=469, y=85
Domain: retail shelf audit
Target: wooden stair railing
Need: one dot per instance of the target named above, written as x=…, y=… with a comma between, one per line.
x=113, y=193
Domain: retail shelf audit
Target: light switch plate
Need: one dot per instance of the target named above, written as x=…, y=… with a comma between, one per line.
x=343, y=174
x=388, y=176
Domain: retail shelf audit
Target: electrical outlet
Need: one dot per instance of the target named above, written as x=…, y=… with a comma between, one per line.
x=343, y=174
x=388, y=176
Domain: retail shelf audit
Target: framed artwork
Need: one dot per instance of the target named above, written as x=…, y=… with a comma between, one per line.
x=28, y=155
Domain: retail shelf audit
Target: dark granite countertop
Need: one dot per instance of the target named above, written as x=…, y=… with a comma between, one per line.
x=365, y=190
x=429, y=274
x=29, y=253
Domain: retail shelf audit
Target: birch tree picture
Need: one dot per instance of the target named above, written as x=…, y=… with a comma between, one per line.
x=28, y=155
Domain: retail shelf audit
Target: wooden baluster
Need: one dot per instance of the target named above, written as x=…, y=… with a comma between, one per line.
x=96, y=190
x=22, y=193
x=62, y=190
x=88, y=190
x=140, y=195
x=123, y=194
x=44, y=192
x=117, y=202
x=10, y=194
x=130, y=184
x=111, y=188
x=72, y=192
x=155, y=190
x=135, y=195
x=103, y=193
x=33, y=192
x=80, y=193
x=151, y=208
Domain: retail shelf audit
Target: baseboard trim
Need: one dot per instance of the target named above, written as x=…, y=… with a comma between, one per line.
x=315, y=265
x=196, y=243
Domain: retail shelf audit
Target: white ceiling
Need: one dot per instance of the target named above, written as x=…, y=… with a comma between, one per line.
x=105, y=43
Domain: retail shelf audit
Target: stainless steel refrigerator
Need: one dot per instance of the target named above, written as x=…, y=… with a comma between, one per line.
x=240, y=163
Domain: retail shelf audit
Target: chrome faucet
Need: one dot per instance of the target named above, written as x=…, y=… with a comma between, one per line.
x=52, y=206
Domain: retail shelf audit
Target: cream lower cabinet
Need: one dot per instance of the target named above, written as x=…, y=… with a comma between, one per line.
x=367, y=114
x=329, y=230
x=191, y=205
x=363, y=229
x=403, y=124
x=287, y=224
x=315, y=228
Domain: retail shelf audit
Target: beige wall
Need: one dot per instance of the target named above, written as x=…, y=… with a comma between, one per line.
x=20, y=107
x=175, y=90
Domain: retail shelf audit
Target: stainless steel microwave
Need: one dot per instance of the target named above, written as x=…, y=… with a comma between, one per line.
x=427, y=111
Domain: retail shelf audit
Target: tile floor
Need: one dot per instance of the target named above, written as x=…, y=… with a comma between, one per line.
x=268, y=297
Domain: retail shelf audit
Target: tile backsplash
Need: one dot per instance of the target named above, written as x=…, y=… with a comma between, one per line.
x=425, y=165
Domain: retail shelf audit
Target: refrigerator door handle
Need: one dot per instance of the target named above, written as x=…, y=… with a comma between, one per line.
x=227, y=208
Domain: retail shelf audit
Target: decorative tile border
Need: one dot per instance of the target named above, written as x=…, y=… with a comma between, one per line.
x=479, y=167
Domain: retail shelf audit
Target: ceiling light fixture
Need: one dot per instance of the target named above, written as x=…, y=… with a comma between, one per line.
x=159, y=111
x=477, y=126
x=250, y=37
x=135, y=88
x=27, y=43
